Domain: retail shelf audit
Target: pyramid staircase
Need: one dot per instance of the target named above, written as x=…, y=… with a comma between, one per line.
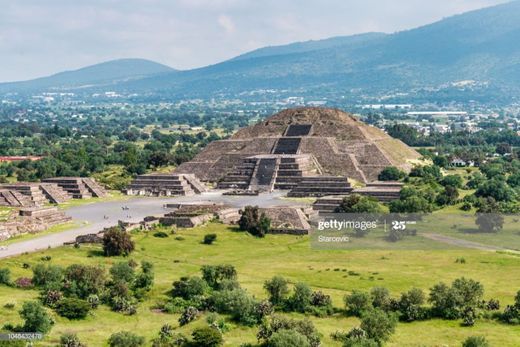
x=28, y=189
x=54, y=193
x=95, y=189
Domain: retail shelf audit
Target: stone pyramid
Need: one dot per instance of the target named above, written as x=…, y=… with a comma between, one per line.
x=337, y=144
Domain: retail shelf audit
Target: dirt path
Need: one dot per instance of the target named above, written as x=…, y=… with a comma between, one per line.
x=464, y=243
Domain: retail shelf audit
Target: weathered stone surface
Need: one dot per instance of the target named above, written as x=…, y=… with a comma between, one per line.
x=34, y=220
x=165, y=185
x=78, y=187
x=340, y=144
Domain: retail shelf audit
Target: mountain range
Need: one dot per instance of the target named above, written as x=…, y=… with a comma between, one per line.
x=480, y=48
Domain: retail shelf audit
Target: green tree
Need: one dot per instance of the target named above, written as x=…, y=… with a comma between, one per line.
x=476, y=341
x=254, y=222
x=378, y=324
x=288, y=338
x=277, y=289
x=117, y=242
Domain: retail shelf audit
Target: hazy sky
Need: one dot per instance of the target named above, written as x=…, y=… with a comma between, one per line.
x=41, y=37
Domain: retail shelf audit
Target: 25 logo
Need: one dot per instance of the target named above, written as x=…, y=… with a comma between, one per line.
x=398, y=225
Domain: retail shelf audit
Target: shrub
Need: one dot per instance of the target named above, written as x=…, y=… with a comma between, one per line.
x=51, y=297
x=378, y=324
x=279, y=323
x=70, y=340
x=209, y=239
x=187, y=288
x=46, y=275
x=301, y=298
x=23, y=282
x=36, y=319
x=117, y=242
x=73, y=308
x=125, y=339
x=160, y=234
x=254, y=222
x=277, y=289
x=390, y=173
x=242, y=307
x=356, y=203
x=207, y=337
x=83, y=280
x=5, y=276
x=410, y=305
x=476, y=341
x=122, y=272
x=357, y=302
x=215, y=275
x=288, y=338
x=189, y=314
x=380, y=298
x=167, y=338
x=450, y=302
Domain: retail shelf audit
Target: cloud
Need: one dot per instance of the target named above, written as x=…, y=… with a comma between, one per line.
x=38, y=38
x=226, y=23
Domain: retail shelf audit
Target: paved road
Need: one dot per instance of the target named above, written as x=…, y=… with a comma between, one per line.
x=138, y=208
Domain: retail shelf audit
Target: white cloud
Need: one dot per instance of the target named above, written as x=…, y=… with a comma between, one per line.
x=226, y=23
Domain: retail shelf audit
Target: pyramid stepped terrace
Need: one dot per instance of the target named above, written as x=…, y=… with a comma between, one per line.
x=40, y=193
x=78, y=187
x=165, y=185
x=308, y=151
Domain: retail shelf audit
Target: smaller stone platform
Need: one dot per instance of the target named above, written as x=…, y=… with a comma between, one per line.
x=166, y=185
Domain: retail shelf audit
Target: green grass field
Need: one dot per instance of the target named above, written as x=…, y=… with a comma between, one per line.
x=290, y=256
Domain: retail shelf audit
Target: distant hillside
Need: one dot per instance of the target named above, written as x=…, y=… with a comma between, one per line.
x=481, y=48
x=107, y=73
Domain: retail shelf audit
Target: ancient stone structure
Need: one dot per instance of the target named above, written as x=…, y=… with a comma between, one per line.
x=13, y=198
x=79, y=187
x=320, y=186
x=192, y=215
x=382, y=191
x=39, y=193
x=33, y=220
x=295, y=144
x=165, y=185
x=287, y=220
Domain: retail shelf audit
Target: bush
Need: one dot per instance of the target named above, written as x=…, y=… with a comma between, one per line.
x=209, y=239
x=82, y=281
x=241, y=306
x=70, y=340
x=207, y=337
x=47, y=275
x=356, y=203
x=390, y=173
x=277, y=289
x=122, y=272
x=279, y=323
x=23, y=283
x=36, y=319
x=288, y=338
x=125, y=339
x=189, y=314
x=117, y=242
x=188, y=288
x=301, y=299
x=254, y=222
x=216, y=275
x=160, y=234
x=380, y=298
x=476, y=341
x=451, y=302
x=73, y=308
x=378, y=324
x=51, y=297
x=5, y=276
x=410, y=305
x=357, y=302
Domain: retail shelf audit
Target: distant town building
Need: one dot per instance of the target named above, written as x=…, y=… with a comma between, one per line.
x=19, y=158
